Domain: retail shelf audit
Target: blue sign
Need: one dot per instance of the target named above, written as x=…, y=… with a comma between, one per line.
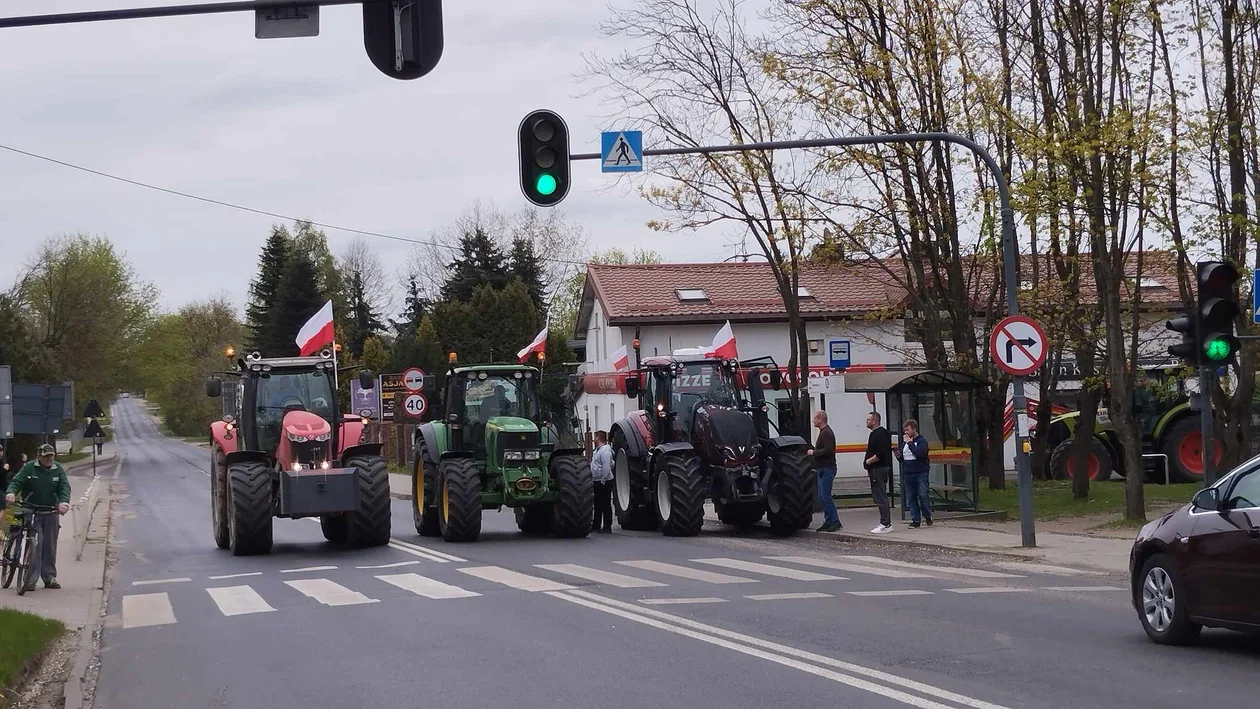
x=621, y=151
x=840, y=354
x=1255, y=296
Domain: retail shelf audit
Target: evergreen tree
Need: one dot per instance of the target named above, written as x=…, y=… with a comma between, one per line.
x=296, y=300
x=362, y=323
x=262, y=292
x=524, y=263
x=480, y=263
x=374, y=356
x=415, y=309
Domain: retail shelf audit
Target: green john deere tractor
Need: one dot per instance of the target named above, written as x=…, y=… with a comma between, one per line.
x=488, y=450
x=1170, y=433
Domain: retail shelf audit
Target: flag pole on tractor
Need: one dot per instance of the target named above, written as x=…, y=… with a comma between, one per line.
x=539, y=345
x=316, y=333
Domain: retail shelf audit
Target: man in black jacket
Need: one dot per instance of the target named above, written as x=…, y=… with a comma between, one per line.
x=824, y=455
x=878, y=464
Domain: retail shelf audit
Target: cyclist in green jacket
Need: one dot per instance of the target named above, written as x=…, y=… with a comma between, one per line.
x=43, y=482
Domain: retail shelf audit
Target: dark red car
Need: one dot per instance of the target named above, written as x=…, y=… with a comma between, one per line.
x=1200, y=565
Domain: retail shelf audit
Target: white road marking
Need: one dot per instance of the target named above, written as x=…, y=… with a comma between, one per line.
x=415, y=552
x=957, y=571
x=389, y=566
x=989, y=589
x=1083, y=588
x=788, y=596
x=236, y=576
x=329, y=593
x=845, y=566
x=781, y=654
x=770, y=570
x=605, y=577
x=892, y=592
x=434, y=552
x=1038, y=568
x=427, y=587
x=238, y=600
x=145, y=609
x=661, y=567
x=680, y=601
x=514, y=579
x=308, y=568
x=152, y=582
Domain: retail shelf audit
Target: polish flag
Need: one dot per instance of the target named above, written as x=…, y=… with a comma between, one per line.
x=621, y=359
x=538, y=345
x=723, y=346
x=317, y=332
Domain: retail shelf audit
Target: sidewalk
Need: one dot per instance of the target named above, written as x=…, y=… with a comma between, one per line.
x=400, y=486
x=83, y=468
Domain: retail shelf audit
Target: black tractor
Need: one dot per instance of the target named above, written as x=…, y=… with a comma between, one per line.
x=702, y=431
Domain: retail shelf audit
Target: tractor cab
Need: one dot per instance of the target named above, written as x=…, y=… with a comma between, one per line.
x=494, y=408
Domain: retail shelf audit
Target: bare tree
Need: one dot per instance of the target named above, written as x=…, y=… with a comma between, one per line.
x=379, y=288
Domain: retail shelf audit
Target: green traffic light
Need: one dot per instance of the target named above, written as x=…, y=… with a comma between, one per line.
x=1217, y=350
x=546, y=184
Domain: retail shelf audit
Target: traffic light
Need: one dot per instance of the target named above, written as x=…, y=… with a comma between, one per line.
x=1218, y=308
x=544, y=156
x=403, y=38
x=1190, y=350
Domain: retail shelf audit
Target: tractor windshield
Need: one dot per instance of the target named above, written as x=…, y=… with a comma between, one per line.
x=278, y=390
x=703, y=383
x=491, y=394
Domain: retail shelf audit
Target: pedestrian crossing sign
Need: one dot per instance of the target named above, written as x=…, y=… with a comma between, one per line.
x=621, y=151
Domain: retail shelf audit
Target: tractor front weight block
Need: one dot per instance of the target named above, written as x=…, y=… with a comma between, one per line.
x=317, y=492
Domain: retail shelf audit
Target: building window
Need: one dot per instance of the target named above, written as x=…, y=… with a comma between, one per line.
x=612, y=414
x=691, y=294
x=803, y=292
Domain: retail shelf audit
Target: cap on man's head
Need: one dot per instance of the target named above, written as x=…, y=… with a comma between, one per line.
x=47, y=449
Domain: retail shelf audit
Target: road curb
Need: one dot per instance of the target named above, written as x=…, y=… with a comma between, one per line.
x=74, y=687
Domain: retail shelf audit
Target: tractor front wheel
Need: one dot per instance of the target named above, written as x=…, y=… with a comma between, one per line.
x=1183, y=444
x=369, y=524
x=336, y=528
x=249, y=508
x=1098, y=461
x=791, y=492
x=572, y=515
x=680, y=495
x=459, y=500
x=535, y=520
x=424, y=496
x=218, y=499
x=629, y=474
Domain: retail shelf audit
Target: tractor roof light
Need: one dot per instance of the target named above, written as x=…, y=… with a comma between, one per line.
x=452, y=358
x=326, y=353
x=229, y=351
x=255, y=355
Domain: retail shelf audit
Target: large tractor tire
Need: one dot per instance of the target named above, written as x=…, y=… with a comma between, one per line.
x=740, y=514
x=535, y=520
x=249, y=508
x=424, y=493
x=1183, y=444
x=1098, y=460
x=679, y=493
x=573, y=513
x=219, y=499
x=459, y=501
x=336, y=528
x=634, y=511
x=791, y=492
x=370, y=524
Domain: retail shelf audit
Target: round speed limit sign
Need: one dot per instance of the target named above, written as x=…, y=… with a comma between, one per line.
x=415, y=405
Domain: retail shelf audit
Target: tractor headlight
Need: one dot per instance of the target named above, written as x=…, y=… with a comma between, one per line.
x=513, y=455
x=325, y=465
x=728, y=452
x=531, y=455
x=298, y=439
x=296, y=466
x=323, y=436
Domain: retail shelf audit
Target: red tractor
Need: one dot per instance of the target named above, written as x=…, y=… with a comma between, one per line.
x=702, y=430
x=283, y=450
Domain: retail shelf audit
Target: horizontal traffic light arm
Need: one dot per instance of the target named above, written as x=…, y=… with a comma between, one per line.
x=140, y=13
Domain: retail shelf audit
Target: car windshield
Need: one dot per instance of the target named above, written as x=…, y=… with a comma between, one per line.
x=487, y=395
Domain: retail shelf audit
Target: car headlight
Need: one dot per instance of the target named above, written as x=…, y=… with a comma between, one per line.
x=513, y=455
x=298, y=439
x=531, y=455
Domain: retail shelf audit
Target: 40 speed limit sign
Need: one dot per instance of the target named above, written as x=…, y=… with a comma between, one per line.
x=415, y=405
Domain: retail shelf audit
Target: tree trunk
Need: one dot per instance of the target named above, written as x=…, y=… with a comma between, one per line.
x=1082, y=439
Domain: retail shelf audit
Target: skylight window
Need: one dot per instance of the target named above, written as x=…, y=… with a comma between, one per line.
x=803, y=292
x=691, y=294
x=1150, y=283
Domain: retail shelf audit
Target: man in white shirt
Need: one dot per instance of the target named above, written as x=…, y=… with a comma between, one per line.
x=602, y=473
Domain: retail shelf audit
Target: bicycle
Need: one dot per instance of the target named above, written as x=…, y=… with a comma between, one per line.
x=21, y=546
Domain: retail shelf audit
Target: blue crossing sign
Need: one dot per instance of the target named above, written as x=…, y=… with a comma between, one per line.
x=621, y=151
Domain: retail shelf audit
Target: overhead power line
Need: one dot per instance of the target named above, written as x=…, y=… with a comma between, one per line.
x=263, y=212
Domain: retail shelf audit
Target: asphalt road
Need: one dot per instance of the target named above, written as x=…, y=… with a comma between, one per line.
x=621, y=620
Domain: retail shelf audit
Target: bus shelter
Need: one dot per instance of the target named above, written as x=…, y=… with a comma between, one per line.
x=943, y=402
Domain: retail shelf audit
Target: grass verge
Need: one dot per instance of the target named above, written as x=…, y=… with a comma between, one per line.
x=22, y=638
x=1052, y=499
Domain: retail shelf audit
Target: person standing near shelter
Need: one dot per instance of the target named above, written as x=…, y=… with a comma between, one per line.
x=915, y=465
x=602, y=474
x=824, y=455
x=878, y=464
x=43, y=482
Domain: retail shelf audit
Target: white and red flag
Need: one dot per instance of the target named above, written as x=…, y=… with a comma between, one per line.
x=538, y=345
x=621, y=359
x=317, y=332
x=723, y=346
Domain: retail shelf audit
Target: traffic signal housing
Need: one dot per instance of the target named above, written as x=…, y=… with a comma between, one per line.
x=403, y=38
x=543, y=150
x=1190, y=349
x=1218, y=308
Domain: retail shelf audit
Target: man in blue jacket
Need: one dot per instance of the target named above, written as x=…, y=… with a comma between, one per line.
x=913, y=454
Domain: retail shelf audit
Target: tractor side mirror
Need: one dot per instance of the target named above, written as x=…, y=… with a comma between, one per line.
x=776, y=379
x=367, y=380
x=214, y=387
x=632, y=386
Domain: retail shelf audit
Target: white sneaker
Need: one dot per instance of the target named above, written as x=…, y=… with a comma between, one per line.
x=882, y=529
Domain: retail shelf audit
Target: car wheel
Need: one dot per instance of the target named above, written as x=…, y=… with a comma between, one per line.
x=1161, y=603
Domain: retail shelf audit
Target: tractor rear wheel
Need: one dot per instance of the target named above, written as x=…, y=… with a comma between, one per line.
x=336, y=528
x=535, y=520
x=424, y=497
x=459, y=500
x=1183, y=444
x=790, y=495
x=634, y=512
x=218, y=499
x=1097, y=460
x=573, y=513
x=249, y=508
x=680, y=495
x=740, y=514
x=370, y=524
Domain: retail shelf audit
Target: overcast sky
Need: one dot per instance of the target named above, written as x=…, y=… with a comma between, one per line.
x=302, y=127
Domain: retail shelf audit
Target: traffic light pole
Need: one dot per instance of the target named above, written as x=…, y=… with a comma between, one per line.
x=139, y=13
x=1010, y=253
x=1207, y=381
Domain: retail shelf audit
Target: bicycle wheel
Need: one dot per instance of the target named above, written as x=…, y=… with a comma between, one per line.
x=29, y=547
x=9, y=560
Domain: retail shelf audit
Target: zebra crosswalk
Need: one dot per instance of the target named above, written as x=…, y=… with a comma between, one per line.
x=656, y=582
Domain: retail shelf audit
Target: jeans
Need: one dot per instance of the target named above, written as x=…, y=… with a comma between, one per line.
x=879, y=492
x=916, y=492
x=603, y=505
x=826, y=476
x=45, y=565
